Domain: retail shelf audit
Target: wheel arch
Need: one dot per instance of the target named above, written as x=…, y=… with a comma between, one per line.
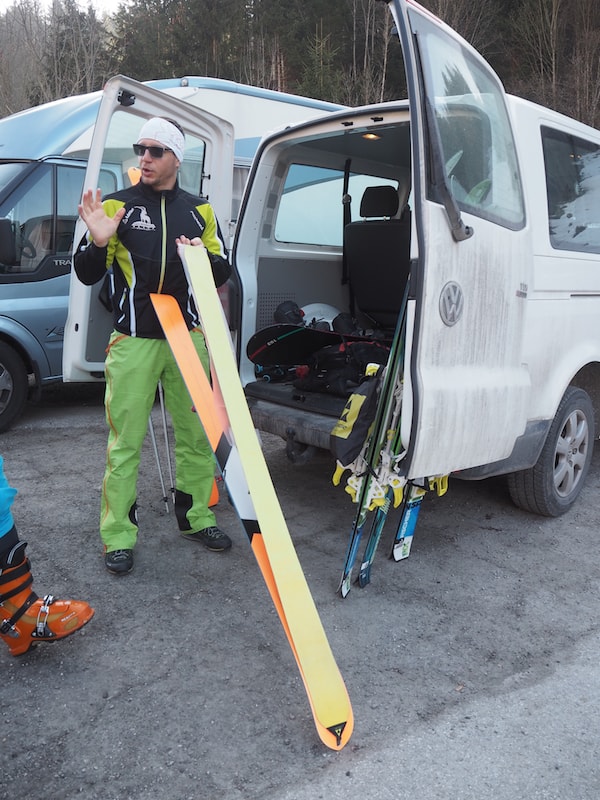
x=588, y=379
x=528, y=447
x=27, y=347
x=553, y=484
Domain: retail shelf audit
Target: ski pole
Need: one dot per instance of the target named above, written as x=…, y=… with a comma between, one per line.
x=160, y=475
x=163, y=412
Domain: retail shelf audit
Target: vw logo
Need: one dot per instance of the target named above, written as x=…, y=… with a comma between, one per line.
x=452, y=302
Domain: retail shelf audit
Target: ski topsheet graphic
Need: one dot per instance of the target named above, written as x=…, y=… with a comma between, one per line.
x=226, y=419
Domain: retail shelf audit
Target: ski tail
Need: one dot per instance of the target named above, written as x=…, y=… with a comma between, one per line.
x=351, y=554
x=408, y=521
x=340, y=731
x=410, y=514
x=377, y=526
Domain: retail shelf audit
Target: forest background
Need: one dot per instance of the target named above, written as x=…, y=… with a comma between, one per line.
x=343, y=51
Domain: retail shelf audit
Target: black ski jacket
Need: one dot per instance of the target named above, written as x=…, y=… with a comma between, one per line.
x=143, y=255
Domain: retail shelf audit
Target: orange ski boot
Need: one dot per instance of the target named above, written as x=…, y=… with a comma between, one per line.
x=25, y=619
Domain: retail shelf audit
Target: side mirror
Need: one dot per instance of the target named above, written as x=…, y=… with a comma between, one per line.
x=8, y=243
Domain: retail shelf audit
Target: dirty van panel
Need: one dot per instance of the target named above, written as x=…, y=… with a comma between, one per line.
x=467, y=391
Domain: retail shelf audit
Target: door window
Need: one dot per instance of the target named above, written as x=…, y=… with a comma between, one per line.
x=468, y=117
x=310, y=208
x=123, y=131
x=29, y=210
x=42, y=213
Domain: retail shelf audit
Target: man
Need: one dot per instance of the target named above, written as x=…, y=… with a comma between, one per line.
x=136, y=232
x=25, y=619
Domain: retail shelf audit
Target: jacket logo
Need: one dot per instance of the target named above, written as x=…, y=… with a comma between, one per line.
x=452, y=302
x=198, y=220
x=144, y=223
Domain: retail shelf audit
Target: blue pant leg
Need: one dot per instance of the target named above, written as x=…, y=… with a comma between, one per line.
x=7, y=495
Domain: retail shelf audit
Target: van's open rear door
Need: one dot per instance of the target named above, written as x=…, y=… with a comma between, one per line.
x=466, y=388
x=207, y=169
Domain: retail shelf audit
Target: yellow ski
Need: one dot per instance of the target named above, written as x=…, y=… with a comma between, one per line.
x=226, y=419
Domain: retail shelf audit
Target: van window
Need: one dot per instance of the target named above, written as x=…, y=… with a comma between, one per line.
x=573, y=190
x=123, y=131
x=10, y=170
x=27, y=208
x=240, y=178
x=475, y=134
x=42, y=212
x=310, y=209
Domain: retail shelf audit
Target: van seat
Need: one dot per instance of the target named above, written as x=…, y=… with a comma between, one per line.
x=46, y=236
x=377, y=253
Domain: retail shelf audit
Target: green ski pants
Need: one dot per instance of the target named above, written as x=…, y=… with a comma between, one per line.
x=133, y=369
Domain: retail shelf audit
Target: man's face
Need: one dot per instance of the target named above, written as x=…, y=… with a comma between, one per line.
x=159, y=173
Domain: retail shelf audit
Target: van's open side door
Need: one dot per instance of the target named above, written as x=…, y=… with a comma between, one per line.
x=466, y=387
x=207, y=169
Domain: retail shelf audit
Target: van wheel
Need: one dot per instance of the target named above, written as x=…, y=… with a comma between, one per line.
x=553, y=484
x=13, y=386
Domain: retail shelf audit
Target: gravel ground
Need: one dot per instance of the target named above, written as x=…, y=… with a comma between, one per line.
x=472, y=667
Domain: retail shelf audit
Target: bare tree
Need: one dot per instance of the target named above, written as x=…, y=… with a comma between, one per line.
x=585, y=65
x=23, y=31
x=476, y=22
x=540, y=33
x=364, y=78
x=48, y=54
x=74, y=53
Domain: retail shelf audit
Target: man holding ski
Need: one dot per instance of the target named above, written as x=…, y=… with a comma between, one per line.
x=136, y=232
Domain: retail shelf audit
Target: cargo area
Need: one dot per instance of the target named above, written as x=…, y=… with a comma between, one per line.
x=335, y=225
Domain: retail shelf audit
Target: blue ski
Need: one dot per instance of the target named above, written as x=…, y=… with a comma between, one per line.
x=377, y=526
x=406, y=527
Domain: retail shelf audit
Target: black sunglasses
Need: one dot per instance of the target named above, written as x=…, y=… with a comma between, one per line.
x=154, y=150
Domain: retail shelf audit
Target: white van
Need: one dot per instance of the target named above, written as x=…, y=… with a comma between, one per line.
x=43, y=156
x=493, y=221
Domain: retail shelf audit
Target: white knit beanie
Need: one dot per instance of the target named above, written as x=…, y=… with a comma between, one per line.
x=166, y=133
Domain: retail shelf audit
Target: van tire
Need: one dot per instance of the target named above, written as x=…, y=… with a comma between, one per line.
x=13, y=386
x=553, y=484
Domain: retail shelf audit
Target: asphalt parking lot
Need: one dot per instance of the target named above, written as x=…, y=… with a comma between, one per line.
x=472, y=667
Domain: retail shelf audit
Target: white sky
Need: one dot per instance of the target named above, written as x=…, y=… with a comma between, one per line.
x=102, y=6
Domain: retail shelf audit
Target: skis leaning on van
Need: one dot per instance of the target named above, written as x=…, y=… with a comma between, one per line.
x=226, y=419
x=373, y=471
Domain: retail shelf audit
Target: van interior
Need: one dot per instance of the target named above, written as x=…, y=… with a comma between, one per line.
x=335, y=240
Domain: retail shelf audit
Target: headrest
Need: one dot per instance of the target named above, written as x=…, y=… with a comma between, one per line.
x=379, y=201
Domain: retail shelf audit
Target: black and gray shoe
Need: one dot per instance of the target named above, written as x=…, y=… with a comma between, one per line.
x=119, y=562
x=212, y=537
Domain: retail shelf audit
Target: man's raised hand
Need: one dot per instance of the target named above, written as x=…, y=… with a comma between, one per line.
x=99, y=224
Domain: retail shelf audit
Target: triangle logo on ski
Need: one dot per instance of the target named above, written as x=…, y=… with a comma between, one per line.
x=226, y=419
